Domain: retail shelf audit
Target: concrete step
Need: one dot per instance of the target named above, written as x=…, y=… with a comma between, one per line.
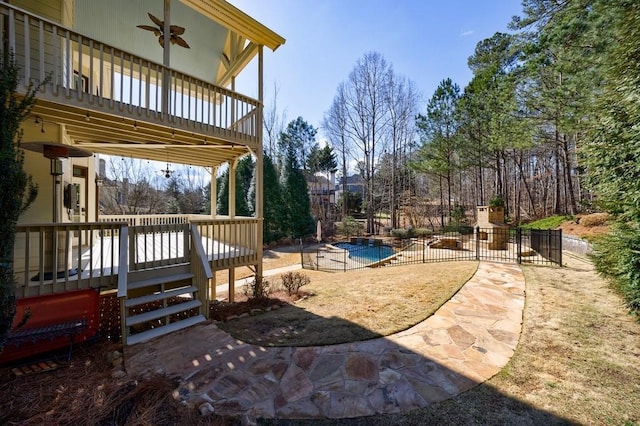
x=165, y=329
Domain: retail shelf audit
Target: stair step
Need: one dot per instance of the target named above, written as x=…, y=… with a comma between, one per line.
x=159, y=296
x=165, y=329
x=159, y=280
x=163, y=312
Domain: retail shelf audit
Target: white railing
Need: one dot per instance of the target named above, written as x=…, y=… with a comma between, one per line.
x=148, y=219
x=96, y=76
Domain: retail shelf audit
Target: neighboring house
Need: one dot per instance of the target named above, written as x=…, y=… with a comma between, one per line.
x=321, y=190
x=354, y=184
x=154, y=80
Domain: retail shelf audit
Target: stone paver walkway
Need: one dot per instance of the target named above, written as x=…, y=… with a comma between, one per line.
x=467, y=341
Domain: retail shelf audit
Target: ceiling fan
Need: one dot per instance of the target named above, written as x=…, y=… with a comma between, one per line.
x=175, y=30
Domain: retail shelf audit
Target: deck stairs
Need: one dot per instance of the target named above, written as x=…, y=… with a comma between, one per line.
x=158, y=302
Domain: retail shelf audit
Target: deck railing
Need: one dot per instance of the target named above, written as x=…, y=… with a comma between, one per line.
x=51, y=258
x=230, y=239
x=93, y=75
x=150, y=219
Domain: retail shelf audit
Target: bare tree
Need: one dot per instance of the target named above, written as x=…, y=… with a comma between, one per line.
x=402, y=100
x=273, y=124
x=365, y=95
x=334, y=125
x=131, y=187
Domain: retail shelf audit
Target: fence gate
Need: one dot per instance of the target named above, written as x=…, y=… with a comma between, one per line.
x=500, y=244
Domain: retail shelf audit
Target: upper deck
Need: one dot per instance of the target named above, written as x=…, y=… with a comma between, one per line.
x=114, y=102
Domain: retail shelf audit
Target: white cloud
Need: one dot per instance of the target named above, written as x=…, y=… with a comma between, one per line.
x=466, y=33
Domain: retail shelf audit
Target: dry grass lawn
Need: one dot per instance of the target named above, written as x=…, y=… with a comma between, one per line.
x=356, y=305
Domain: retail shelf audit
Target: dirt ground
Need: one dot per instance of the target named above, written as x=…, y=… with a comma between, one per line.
x=577, y=229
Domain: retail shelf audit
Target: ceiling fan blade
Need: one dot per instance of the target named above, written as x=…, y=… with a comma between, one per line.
x=180, y=42
x=177, y=30
x=150, y=28
x=155, y=20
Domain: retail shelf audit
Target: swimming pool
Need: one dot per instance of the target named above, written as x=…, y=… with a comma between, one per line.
x=366, y=252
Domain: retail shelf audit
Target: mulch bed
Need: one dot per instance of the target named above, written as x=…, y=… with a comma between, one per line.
x=223, y=310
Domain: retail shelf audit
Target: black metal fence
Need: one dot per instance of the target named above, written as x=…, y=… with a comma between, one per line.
x=499, y=244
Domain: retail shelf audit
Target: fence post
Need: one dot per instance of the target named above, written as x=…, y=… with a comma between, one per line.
x=519, y=244
x=302, y=255
x=559, y=246
x=423, y=248
x=477, y=243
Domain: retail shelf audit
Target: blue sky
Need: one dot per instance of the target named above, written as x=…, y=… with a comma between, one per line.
x=424, y=40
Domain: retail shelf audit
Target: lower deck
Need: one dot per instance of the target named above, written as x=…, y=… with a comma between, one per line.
x=62, y=257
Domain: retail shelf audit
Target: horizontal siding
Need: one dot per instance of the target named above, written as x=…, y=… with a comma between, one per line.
x=50, y=9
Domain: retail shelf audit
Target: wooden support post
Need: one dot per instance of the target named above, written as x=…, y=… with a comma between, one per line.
x=232, y=284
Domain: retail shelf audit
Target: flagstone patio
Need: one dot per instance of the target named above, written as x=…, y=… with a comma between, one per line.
x=467, y=341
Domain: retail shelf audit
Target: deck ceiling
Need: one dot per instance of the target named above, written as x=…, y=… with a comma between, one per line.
x=107, y=134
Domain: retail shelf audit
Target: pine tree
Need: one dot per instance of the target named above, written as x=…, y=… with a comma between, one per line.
x=17, y=189
x=296, y=197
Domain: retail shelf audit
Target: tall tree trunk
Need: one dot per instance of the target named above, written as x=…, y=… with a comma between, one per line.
x=557, y=209
x=573, y=209
x=441, y=202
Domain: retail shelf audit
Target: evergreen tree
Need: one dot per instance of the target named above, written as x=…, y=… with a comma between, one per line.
x=438, y=133
x=612, y=152
x=244, y=174
x=17, y=190
x=302, y=137
x=274, y=222
x=223, y=193
x=294, y=187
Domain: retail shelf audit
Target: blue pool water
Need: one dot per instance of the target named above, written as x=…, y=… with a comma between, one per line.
x=366, y=252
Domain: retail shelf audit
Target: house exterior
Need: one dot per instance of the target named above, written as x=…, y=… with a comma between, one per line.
x=155, y=80
x=322, y=190
x=354, y=184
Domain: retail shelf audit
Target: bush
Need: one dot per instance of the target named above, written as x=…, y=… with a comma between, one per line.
x=462, y=229
x=349, y=226
x=292, y=281
x=399, y=233
x=496, y=201
x=595, y=219
x=423, y=232
x=257, y=289
x=617, y=256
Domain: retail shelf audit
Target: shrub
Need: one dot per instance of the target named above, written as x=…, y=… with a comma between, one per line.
x=595, y=219
x=292, y=281
x=496, y=201
x=423, y=232
x=617, y=256
x=349, y=226
x=257, y=289
x=399, y=233
x=462, y=229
